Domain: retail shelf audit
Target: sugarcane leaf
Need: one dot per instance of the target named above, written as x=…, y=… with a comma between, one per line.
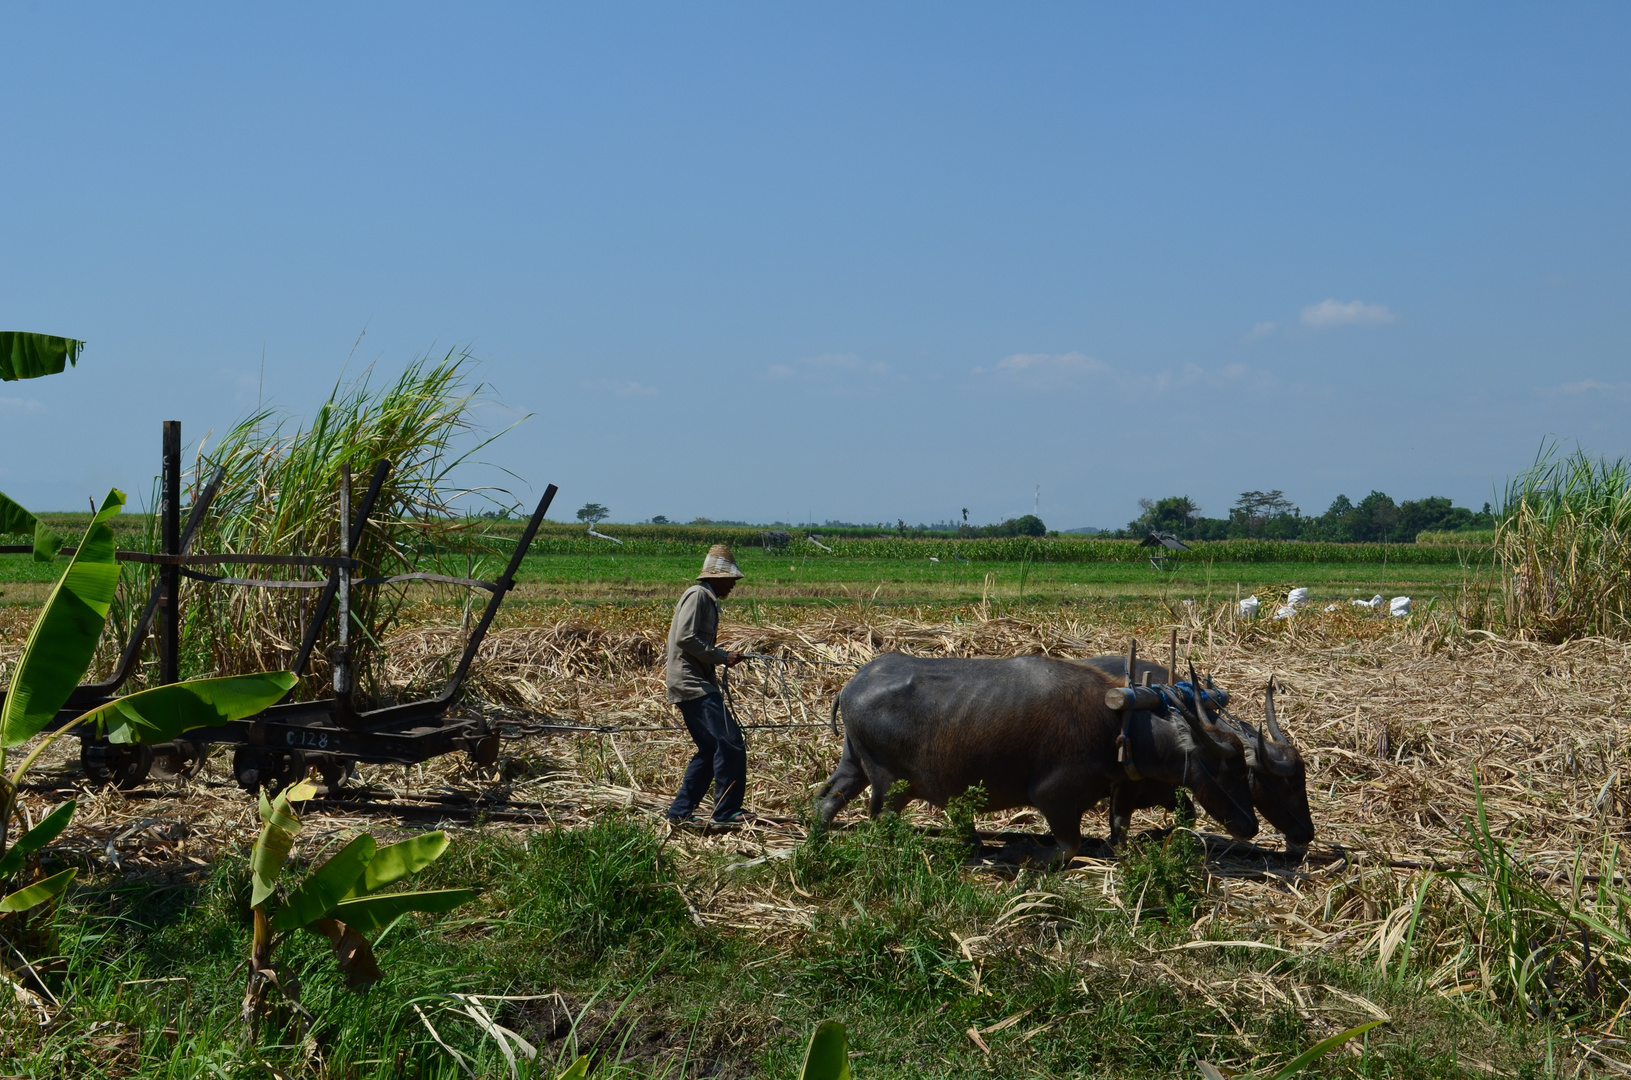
x=393, y=862
x=37, y=893
x=47, y=830
x=1323, y=1047
x=827, y=1056
x=63, y=640
x=373, y=912
x=161, y=713
x=326, y=886
x=28, y=356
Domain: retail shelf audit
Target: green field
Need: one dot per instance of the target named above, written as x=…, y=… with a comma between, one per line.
x=792, y=579
x=657, y=562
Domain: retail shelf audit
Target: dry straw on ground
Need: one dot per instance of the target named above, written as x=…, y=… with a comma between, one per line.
x=1400, y=722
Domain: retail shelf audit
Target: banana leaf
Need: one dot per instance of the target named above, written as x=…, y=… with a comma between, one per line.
x=275, y=839
x=326, y=886
x=373, y=912
x=162, y=713
x=28, y=356
x=827, y=1056
x=63, y=640
x=37, y=893
x=579, y=1070
x=393, y=862
x=15, y=521
x=40, y=835
x=279, y=824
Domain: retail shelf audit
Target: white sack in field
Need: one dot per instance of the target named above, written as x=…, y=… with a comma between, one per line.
x=1248, y=607
x=1399, y=606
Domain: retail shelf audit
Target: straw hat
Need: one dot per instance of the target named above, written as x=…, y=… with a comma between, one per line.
x=720, y=563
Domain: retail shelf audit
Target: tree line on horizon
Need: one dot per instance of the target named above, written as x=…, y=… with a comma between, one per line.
x=1269, y=515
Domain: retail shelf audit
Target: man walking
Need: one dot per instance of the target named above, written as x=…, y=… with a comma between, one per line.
x=721, y=759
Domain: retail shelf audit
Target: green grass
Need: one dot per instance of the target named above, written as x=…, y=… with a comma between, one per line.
x=599, y=916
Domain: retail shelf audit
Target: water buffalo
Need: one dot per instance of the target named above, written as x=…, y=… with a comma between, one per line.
x=1279, y=780
x=1034, y=730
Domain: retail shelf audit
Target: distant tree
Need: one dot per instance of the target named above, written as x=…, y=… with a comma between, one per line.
x=1029, y=525
x=1255, y=509
x=593, y=513
x=1376, y=519
x=965, y=522
x=659, y=520
x=701, y=521
x=1175, y=514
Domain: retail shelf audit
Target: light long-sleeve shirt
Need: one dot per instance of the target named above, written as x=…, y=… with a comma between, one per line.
x=692, y=654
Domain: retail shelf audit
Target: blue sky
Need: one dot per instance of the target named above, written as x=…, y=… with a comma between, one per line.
x=865, y=262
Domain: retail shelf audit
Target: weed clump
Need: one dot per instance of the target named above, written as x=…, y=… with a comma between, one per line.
x=1168, y=872
x=960, y=814
x=597, y=888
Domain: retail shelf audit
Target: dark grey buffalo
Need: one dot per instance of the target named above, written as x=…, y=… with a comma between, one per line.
x=1279, y=779
x=1033, y=729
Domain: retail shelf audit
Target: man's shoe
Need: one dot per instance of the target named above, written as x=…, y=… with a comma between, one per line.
x=734, y=821
x=678, y=821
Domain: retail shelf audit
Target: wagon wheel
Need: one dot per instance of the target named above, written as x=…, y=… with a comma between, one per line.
x=259, y=769
x=183, y=758
x=336, y=771
x=124, y=765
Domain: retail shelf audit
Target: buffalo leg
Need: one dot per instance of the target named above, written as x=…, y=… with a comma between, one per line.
x=1121, y=817
x=883, y=784
x=1064, y=817
x=847, y=781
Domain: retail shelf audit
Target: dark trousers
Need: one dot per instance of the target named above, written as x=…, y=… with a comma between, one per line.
x=721, y=759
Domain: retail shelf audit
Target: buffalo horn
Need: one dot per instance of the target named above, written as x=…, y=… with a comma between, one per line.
x=1274, y=756
x=1203, y=728
x=1268, y=714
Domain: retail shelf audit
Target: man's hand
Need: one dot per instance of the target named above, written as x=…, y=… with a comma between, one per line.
x=733, y=658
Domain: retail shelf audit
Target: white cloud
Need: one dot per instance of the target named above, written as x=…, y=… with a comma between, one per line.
x=1055, y=371
x=1593, y=386
x=1262, y=330
x=1045, y=371
x=1330, y=313
x=626, y=388
x=21, y=404
x=838, y=373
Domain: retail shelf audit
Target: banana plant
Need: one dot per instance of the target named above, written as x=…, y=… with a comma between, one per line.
x=827, y=1056
x=28, y=356
x=340, y=900
x=15, y=520
x=56, y=656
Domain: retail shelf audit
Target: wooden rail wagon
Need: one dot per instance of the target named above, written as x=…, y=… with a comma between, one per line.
x=285, y=742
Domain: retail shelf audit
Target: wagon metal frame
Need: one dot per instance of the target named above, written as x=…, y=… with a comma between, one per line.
x=286, y=741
